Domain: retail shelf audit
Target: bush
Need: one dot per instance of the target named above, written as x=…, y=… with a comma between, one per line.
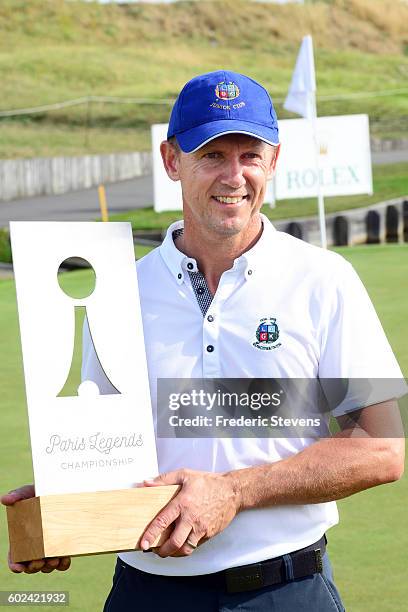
x=5, y=248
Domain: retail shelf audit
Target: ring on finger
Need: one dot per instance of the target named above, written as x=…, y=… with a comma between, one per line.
x=190, y=543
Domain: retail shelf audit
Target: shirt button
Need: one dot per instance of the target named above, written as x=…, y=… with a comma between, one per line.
x=210, y=348
x=210, y=318
x=200, y=290
x=249, y=272
x=190, y=266
x=179, y=276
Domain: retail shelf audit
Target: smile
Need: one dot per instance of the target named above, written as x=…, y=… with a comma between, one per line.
x=230, y=200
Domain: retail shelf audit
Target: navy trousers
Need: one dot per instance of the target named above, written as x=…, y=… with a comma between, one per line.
x=136, y=591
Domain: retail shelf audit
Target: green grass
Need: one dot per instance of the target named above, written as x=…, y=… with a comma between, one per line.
x=52, y=50
x=384, y=269
x=5, y=247
x=141, y=250
x=39, y=79
x=368, y=548
x=390, y=181
x=30, y=139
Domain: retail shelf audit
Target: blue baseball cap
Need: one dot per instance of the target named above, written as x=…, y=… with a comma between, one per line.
x=218, y=103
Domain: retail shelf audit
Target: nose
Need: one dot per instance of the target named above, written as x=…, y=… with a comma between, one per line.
x=232, y=174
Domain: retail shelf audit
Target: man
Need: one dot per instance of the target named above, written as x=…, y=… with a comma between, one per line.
x=246, y=531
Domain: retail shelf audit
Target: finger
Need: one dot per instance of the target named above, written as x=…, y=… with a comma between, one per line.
x=159, y=524
x=175, y=477
x=180, y=533
x=25, y=492
x=16, y=568
x=192, y=542
x=50, y=564
x=189, y=546
x=54, y=563
x=64, y=564
x=35, y=566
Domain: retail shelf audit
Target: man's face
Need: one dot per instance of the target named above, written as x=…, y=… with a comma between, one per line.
x=224, y=182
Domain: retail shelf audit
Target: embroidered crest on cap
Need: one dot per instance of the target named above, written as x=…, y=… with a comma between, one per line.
x=227, y=91
x=267, y=334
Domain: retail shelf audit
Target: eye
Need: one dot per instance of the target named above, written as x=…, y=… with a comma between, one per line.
x=212, y=155
x=251, y=155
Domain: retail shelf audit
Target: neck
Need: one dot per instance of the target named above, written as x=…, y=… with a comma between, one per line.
x=214, y=253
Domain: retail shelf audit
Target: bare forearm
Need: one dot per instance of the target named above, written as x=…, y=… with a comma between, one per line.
x=207, y=502
x=330, y=469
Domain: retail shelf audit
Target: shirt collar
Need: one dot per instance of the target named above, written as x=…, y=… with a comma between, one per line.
x=262, y=248
x=178, y=262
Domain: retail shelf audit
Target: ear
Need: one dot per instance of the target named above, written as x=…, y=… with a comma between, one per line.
x=171, y=157
x=274, y=160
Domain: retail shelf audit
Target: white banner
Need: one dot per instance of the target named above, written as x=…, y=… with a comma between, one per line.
x=344, y=157
x=167, y=193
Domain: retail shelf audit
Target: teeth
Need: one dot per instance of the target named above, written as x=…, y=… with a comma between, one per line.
x=229, y=200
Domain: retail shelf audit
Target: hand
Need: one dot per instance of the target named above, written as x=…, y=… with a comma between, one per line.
x=204, y=506
x=31, y=567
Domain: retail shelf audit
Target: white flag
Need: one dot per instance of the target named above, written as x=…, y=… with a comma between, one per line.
x=301, y=97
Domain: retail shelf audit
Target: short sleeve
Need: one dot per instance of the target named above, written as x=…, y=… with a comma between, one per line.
x=354, y=345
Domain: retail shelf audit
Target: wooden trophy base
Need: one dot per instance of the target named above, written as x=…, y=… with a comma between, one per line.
x=83, y=523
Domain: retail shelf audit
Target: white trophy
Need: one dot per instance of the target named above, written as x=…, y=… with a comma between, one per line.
x=90, y=450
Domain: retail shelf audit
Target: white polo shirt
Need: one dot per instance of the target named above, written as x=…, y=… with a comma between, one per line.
x=327, y=328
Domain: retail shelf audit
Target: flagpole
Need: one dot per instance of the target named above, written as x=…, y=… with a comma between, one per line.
x=320, y=199
x=301, y=99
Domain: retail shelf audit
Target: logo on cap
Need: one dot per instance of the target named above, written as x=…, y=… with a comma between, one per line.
x=227, y=91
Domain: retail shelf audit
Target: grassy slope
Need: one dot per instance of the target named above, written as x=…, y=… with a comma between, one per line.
x=47, y=54
x=369, y=546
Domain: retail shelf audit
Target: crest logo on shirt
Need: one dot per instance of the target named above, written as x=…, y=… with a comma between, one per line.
x=267, y=335
x=227, y=91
